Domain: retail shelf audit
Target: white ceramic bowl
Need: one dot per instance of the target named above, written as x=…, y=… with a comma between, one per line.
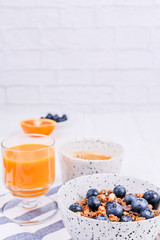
x=72, y=167
x=83, y=228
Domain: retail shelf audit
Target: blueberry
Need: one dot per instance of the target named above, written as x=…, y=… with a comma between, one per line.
x=126, y=218
x=64, y=117
x=92, y=192
x=103, y=218
x=119, y=191
x=75, y=208
x=139, y=204
x=55, y=117
x=114, y=208
x=147, y=213
x=93, y=203
x=60, y=119
x=108, y=203
x=49, y=116
x=152, y=197
x=128, y=198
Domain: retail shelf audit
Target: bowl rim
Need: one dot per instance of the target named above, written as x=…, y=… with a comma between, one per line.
x=71, y=141
x=93, y=220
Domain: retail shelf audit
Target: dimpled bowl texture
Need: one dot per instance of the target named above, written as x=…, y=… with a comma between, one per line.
x=83, y=228
x=72, y=167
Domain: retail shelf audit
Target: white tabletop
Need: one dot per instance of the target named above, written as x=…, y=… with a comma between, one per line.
x=139, y=134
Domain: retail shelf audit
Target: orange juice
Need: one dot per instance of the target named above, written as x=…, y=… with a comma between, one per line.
x=29, y=169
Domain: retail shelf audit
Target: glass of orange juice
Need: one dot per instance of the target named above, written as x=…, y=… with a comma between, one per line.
x=29, y=172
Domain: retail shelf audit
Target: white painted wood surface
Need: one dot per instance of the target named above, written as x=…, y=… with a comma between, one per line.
x=139, y=133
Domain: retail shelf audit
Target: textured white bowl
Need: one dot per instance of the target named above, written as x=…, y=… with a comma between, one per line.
x=72, y=167
x=83, y=228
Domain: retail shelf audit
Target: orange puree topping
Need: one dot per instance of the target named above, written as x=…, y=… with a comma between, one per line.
x=90, y=156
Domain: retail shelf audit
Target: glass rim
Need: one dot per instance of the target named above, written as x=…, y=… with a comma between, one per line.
x=23, y=135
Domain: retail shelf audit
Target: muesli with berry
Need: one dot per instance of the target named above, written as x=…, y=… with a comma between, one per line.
x=118, y=206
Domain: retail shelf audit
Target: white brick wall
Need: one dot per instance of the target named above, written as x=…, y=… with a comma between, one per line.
x=22, y=95
x=80, y=55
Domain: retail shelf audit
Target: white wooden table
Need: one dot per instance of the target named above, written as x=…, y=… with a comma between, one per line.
x=139, y=133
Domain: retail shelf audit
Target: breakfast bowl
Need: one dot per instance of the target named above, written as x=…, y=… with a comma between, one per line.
x=85, y=228
x=89, y=156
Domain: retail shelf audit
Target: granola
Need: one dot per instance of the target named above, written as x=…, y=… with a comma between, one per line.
x=117, y=206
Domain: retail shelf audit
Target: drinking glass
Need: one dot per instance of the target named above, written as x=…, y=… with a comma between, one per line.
x=29, y=172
